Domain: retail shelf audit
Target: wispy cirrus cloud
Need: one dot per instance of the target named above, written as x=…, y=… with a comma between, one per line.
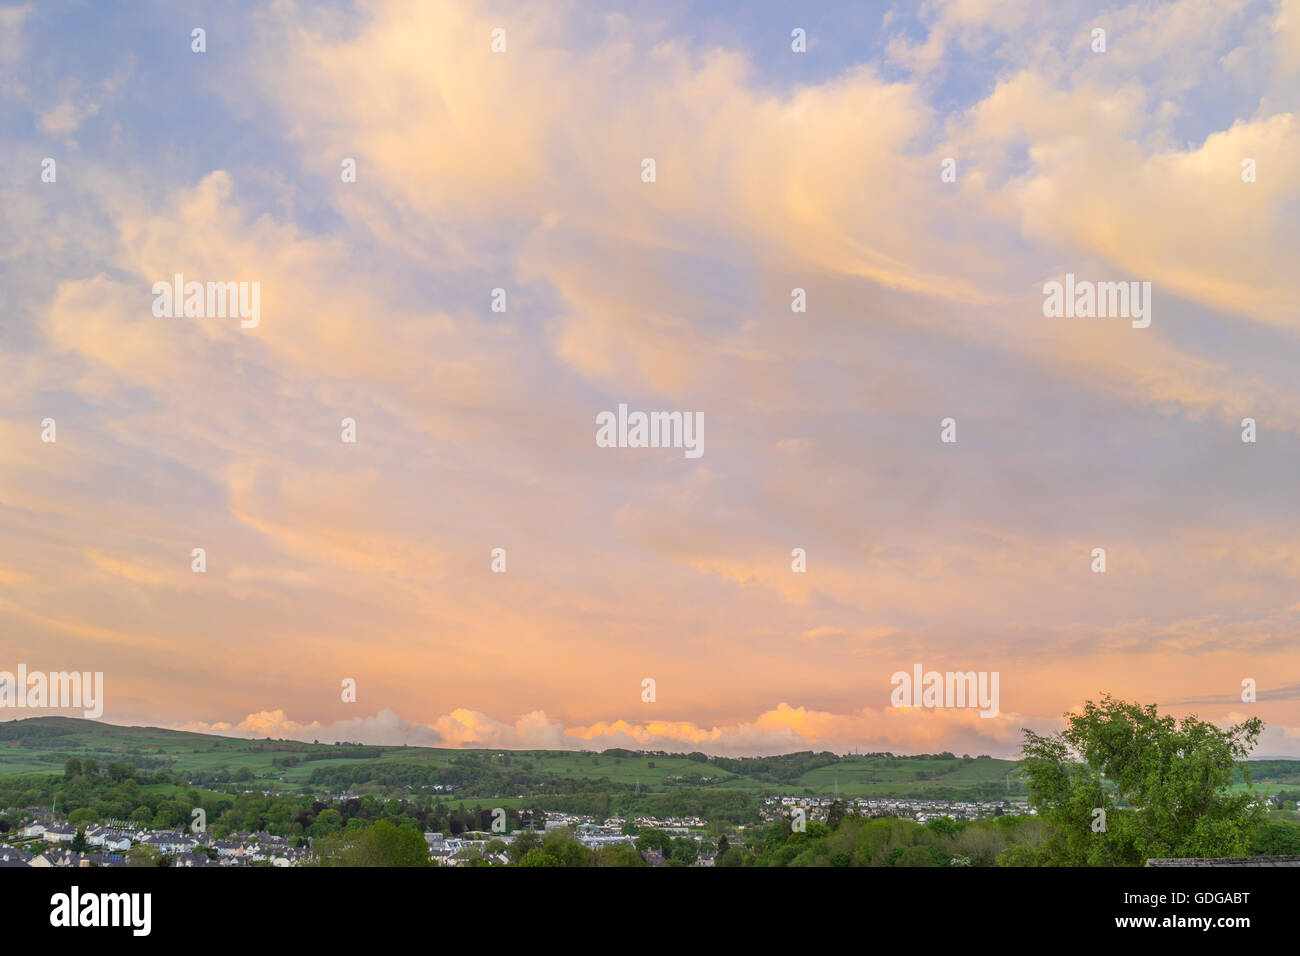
x=521, y=171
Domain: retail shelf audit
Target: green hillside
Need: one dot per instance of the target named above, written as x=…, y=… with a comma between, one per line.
x=43, y=745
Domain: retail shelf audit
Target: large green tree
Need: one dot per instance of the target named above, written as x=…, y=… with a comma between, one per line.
x=1123, y=783
x=380, y=844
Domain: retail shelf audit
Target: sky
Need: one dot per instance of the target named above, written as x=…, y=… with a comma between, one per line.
x=523, y=170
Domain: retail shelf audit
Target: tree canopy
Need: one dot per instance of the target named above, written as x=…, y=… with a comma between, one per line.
x=1123, y=783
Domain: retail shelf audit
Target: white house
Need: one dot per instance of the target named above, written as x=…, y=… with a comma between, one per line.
x=60, y=833
x=168, y=843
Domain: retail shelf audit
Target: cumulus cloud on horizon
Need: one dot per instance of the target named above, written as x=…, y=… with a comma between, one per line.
x=784, y=729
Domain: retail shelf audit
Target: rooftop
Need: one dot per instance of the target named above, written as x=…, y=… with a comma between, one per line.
x=1292, y=860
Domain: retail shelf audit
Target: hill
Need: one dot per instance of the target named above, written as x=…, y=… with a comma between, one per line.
x=43, y=745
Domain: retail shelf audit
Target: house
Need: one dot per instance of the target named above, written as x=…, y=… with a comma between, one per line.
x=60, y=833
x=16, y=852
x=13, y=856
x=112, y=841
x=168, y=842
x=32, y=830
x=233, y=848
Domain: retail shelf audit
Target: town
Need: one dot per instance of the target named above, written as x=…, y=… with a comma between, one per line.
x=43, y=840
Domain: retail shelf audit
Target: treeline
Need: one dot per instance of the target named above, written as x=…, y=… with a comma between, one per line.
x=892, y=841
x=782, y=769
x=349, y=753
x=788, y=768
x=87, y=793
x=467, y=780
x=1276, y=771
x=887, y=841
x=559, y=848
x=397, y=774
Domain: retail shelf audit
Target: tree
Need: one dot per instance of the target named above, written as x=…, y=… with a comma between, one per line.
x=522, y=844
x=653, y=839
x=83, y=815
x=539, y=857
x=1122, y=784
x=915, y=856
x=79, y=844
x=327, y=822
x=561, y=845
x=142, y=815
x=380, y=844
x=620, y=854
x=732, y=857
x=1278, y=839
x=835, y=813
x=685, y=851
x=141, y=855
x=944, y=826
